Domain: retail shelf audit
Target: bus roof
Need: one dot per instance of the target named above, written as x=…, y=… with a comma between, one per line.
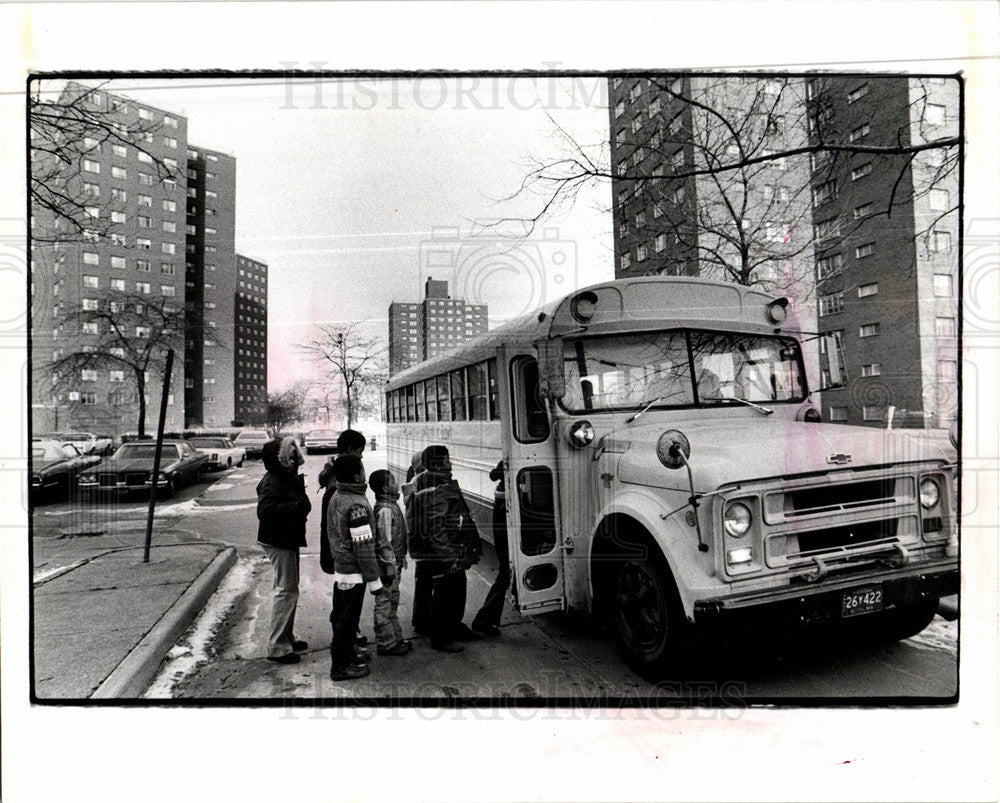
x=643, y=302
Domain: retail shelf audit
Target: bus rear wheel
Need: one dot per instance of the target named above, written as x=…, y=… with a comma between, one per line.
x=650, y=627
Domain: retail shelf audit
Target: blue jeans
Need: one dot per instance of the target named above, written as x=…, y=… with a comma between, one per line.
x=387, y=628
x=285, y=563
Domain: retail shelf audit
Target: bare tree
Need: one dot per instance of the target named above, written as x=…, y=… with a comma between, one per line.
x=68, y=121
x=350, y=359
x=128, y=333
x=730, y=169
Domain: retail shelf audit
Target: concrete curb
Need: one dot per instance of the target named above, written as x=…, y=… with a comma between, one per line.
x=131, y=677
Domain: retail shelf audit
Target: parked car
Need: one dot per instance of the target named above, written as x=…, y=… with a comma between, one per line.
x=54, y=468
x=222, y=452
x=322, y=440
x=85, y=442
x=252, y=440
x=131, y=466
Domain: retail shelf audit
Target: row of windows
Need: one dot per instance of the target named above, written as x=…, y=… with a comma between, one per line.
x=118, y=194
x=465, y=394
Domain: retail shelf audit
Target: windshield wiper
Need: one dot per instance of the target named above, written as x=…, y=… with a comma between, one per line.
x=657, y=400
x=759, y=408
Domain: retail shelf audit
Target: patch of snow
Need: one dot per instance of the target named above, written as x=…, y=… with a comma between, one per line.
x=44, y=575
x=221, y=486
x=195, y=647
x=940, y=636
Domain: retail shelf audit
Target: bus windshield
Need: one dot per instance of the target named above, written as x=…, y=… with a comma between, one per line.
x=626, y=372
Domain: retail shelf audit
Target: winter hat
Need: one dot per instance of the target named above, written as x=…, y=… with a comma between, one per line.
x=433, y=456
x=289, y=455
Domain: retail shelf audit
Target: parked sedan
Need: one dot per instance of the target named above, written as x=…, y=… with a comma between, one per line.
x=222, y=452
x=252, y=440
x=130, y=468
x=322, y=440
x=54, y=468
x=86, y=442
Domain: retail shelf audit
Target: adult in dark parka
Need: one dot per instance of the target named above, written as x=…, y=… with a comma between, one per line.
x=282, y=508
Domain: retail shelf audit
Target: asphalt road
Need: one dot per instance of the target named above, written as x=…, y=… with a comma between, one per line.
x=546, y=657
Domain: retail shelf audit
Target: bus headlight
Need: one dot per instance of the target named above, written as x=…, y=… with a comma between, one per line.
x=777, y=310
x=929, y=493
x=737, y=519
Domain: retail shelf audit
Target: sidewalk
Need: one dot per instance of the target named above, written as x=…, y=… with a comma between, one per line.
x=102, y=627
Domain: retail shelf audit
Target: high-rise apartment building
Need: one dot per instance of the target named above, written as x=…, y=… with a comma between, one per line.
x=425, y=329
x=812, y=227
x=171, y=238
x=888, y=278
x=250, y=339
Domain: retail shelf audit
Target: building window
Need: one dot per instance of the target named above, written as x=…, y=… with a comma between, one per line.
x=940, y=241
x=825, y=192
x=660, y=243
x=91, y=281
x=860, y=132
x=620, y=108
x=90, y=258
x=831, y=304
x=867, y=289
x=170, y=142
x=120, y=151
x=827, y=229
x=144, y=222
x=167, y=290
x=91, y=166
x=625, y=260
x=143, y=244
x=88, y=304
x=169, y=121
x=166, y=269
x=143, y=287
x=944, y=327
x=90, y=328
x=943, y=285
x=939, y=200
x=119, y=195
x=92, y=190
x=641, y=253
x=858, y=93
x=88, y=398
x=169, y=226
x=871, y=369
x=117, y=239
x=142, y=331
x=145, y=114
x=146, y=179
x=116, y=376
x=679, y=195
x=118, y=284
x=868, y=330
x=935, y=114
x=169, y=206
x=861, y=171
x=210, y=230
x=88, y=375
x=947, y=371
x=171, y=163
x=635, y=91
x=873, y=412
x=168, y=248
x=863, y=211
x=142, y=265
x=119, y=173
x=829, y=266
x=865, y=250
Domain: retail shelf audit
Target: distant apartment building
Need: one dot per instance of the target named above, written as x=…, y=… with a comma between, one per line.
x=812, y=228
x=433, y=326
x=250, y=341
x=165, y=237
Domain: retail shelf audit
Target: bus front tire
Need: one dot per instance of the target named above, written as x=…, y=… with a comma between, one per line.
x=650, y=627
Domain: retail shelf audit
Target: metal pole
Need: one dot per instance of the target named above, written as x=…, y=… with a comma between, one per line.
x=156, y=454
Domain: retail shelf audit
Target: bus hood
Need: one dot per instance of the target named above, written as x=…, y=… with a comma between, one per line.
x=724, y=452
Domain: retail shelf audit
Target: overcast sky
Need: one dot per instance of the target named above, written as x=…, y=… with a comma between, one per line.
x=353, y=191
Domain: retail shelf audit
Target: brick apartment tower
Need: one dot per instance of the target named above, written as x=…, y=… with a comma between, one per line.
x=422, y=330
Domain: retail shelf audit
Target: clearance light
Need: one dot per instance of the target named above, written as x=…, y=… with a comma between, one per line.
x=744, y=555
x=929, y=493
x=738, y=519
x=777, y=310
x=581, y=434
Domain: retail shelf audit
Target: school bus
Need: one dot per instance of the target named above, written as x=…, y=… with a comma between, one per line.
x=666, y=464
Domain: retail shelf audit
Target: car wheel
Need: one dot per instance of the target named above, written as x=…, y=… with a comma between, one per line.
x=899, y=623
x=229, y=462
x=650, y=627
x=171, y=488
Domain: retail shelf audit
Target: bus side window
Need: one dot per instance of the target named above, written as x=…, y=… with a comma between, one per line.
x=531, y=423
x=537, y=510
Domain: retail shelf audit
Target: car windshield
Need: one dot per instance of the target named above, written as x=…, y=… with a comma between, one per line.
x=146, y=451
x=208, y=443
x=323, y=433
x=627, y=372
x=252, y=436
x=41, y=453
x=75, y=436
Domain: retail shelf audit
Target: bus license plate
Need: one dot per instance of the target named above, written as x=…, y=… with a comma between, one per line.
x=861, y=601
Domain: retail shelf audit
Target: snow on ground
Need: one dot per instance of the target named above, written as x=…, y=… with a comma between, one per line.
x=194, y=647
x=940, y=635
x=220, y=486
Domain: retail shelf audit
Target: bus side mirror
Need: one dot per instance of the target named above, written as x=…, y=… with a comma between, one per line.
x=835, y=375
x=552, y=381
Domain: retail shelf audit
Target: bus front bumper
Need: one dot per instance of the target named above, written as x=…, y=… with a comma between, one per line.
x=805, y=605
